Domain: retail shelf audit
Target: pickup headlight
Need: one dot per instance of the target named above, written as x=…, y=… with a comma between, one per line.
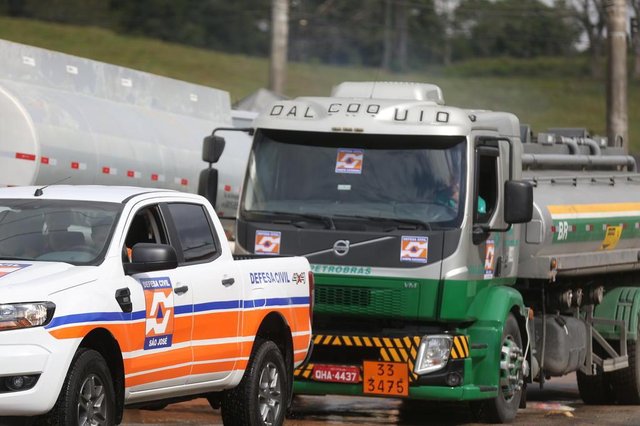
x=25, y=315
x=433, y=354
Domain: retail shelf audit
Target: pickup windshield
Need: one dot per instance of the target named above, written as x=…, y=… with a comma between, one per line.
x=75, y=232
x=388, y=180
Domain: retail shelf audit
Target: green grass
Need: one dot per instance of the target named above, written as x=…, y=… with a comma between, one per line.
x=542, y=92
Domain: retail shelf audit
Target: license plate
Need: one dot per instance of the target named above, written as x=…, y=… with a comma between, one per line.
x=386, y=378
x=336, y=373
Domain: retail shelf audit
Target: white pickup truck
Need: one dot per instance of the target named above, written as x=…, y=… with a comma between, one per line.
x=121, y=296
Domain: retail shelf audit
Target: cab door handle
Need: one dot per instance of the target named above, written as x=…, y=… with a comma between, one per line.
x=228, y=281
x=181, y=290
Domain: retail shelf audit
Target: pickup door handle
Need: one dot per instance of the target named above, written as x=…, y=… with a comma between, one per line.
x=181, y=290
x=228, y=281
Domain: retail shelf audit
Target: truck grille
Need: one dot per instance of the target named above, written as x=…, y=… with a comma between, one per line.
x=360, y=301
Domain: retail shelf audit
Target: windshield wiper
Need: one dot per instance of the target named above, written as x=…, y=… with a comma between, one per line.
x=327, y=220
x=399, y=223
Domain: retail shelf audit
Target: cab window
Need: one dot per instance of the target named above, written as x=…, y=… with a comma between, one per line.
x=486, y=183
x=194, y=232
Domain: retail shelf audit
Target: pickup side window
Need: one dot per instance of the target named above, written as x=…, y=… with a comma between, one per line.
x=194, y=232
x=146, y=227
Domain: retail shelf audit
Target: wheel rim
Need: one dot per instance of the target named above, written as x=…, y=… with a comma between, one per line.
x=511, y=361
x=92, y=405
x=269, y=394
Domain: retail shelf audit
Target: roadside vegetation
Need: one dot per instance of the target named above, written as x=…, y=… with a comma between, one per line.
x=543, y=92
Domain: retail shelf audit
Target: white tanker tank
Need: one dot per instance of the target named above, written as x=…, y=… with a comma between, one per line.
x=586, y=216
x=78, y=121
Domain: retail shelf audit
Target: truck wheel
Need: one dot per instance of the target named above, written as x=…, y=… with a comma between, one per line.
x=87, y=396
x=261, y=397
x=504, y=407
x=626, y=382
x=594, y=390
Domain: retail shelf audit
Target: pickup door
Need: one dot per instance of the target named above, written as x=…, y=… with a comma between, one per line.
x=216, y=290
x=192, y=311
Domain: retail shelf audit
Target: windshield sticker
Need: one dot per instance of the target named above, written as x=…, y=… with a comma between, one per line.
x=349, y=161
x=414, y=249
x=7, y=268
x=489, y=254
x=158, y=295
x=267, y=242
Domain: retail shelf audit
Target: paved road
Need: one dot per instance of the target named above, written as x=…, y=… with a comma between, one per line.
x=557, y=404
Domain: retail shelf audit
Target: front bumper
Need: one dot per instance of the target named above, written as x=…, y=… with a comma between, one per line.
x=354, y=350
x=459, y=393
x=49, y=360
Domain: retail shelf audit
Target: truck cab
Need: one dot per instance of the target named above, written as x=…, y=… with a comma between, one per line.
x=456, y=256
x=408, y=211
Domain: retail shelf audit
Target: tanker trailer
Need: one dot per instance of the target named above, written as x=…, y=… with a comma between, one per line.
x=579, y=262
x=65, y=119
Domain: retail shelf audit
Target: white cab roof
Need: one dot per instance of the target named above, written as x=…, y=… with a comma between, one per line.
x=114, y=194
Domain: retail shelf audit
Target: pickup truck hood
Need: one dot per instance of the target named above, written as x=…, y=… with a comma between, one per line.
x=30, y=281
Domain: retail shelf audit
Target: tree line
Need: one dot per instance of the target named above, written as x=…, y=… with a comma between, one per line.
x=398, y=35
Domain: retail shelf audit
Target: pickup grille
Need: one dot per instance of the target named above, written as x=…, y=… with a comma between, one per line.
x=360, y=301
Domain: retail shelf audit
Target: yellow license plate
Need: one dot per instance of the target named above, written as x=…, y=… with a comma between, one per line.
x=386, y=378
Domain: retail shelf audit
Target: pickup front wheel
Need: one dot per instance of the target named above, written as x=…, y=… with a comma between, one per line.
x=262, y=395
x=87, y=396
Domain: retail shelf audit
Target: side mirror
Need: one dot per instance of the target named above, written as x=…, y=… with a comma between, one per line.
x=212, y=147
x=208, y=185
x=147, y=257
x=518, y=205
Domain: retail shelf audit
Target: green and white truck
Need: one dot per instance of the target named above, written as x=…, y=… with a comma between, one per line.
x=455, y=258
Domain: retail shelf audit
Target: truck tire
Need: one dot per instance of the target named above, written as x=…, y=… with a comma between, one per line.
x=596, y=389
x=261, y=397
x=626, y=382
x=504, y=407
x=87, y=396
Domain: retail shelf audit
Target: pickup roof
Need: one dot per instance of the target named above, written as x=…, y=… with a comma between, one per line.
x=120, y=296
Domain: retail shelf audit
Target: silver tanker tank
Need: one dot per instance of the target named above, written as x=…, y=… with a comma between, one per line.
x=586, y=208
x=72, y=120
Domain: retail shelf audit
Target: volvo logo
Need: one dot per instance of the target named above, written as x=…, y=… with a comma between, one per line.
x=341, y=247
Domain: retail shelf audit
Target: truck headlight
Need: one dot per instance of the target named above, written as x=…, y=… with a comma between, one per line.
x=24, y=315
x=433, y=354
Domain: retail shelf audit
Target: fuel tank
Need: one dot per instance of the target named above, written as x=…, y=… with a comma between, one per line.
x=586, y=216
x=75, y=121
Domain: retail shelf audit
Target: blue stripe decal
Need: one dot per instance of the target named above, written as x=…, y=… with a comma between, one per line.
x=96, y=317
x=258, y=303
x=216, y=306
x=304, y=300
x=279, y=302
x=182, y=309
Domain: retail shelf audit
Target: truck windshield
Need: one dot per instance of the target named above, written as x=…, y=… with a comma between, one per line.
x=75, y=232
x=377, y=178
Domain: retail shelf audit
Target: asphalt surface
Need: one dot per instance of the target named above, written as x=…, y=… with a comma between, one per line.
x=557, y=404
